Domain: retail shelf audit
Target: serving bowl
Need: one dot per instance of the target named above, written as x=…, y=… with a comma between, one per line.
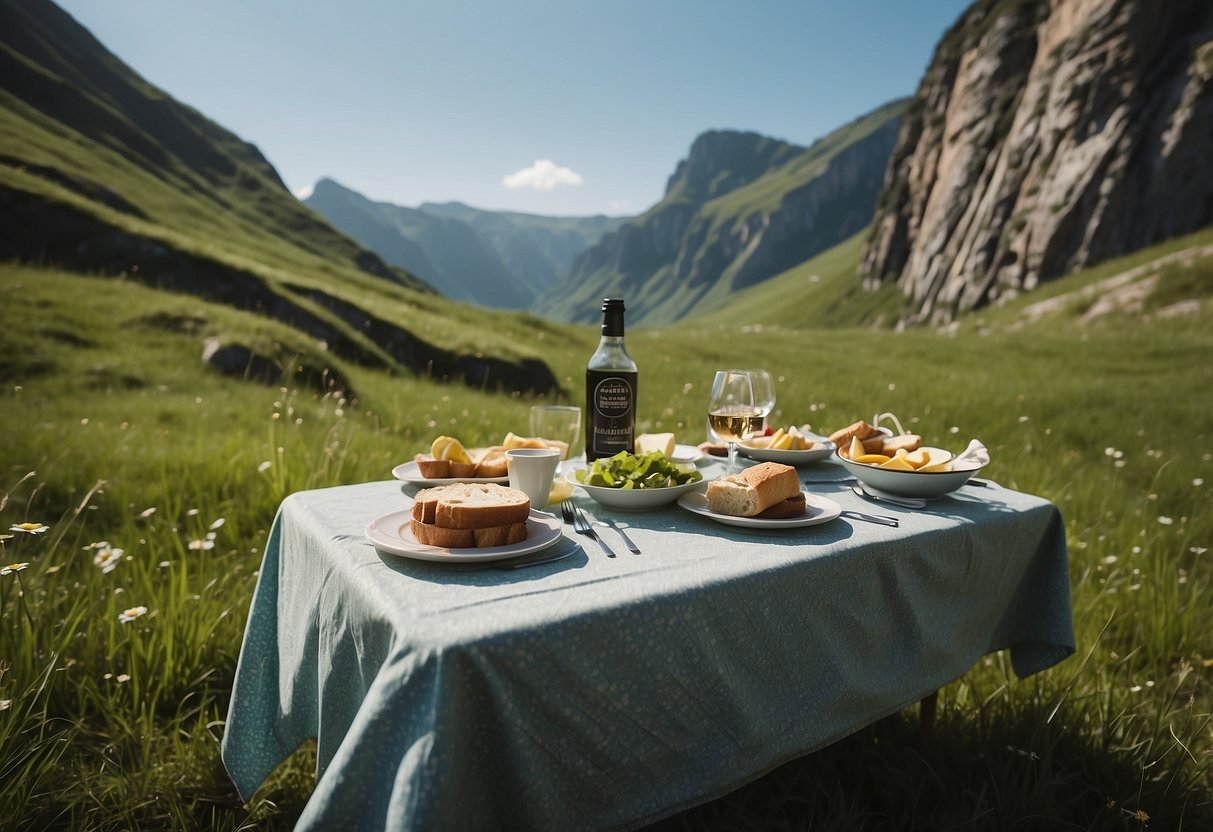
x=634, y=499
x=911, y=483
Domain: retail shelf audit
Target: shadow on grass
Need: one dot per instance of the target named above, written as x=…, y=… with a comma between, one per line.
x=1018, y=773
x=1025, y=775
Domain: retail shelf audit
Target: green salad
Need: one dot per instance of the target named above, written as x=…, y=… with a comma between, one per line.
x=625, y=470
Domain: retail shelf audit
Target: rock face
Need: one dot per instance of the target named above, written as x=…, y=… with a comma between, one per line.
x=1046, y=136
x=740, y=209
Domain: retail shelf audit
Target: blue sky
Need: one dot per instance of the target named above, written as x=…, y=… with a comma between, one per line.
x=459, y=99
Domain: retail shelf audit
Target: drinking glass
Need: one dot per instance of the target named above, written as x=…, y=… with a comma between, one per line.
x=557, y=422
x=738, y=407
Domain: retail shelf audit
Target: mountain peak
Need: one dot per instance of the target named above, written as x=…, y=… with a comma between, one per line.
x=722, y=160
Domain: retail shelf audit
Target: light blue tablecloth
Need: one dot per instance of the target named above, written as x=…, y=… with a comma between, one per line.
x=599, y=693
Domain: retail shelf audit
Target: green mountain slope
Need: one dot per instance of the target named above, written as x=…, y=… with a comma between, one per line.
x=104, y=174
x=738, y=210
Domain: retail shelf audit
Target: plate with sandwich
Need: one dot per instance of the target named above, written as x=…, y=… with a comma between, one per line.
x=765, y=496
x=464, y=523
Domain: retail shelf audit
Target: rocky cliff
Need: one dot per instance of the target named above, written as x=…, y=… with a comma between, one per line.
x=1046, y=136
x=741, y=208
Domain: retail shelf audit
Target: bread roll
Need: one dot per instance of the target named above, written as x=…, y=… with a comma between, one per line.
x=754, y=490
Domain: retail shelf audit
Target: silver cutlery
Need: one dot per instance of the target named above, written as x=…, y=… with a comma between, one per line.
x=627, y=541
x=871, y=518
x=576, y=517
x=904, y=502
x=563, y=552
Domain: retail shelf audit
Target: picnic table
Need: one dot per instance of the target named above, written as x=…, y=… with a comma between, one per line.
x=608, y=693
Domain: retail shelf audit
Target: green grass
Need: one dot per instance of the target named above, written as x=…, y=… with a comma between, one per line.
x=115, y=432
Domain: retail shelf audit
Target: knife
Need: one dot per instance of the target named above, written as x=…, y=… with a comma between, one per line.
x=871, y=518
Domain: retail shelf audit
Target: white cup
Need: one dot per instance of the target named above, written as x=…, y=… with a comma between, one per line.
x=531, y=472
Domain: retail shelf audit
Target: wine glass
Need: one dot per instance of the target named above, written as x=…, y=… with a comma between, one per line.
x=738, y=407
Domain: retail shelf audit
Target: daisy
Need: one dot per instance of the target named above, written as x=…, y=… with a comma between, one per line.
x=29, y=528
x=127, y=616
x=13, y=567
x=204, y=544
x=107, y=559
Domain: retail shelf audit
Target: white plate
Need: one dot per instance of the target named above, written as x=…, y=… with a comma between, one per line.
x=824, y=449
x=634, y=499
x=684, y=454
x=391, y=533
x=818, y=509
x=409, y=472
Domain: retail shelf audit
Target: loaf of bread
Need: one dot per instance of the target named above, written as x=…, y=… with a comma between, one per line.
x=431, y=535
x=754, y=490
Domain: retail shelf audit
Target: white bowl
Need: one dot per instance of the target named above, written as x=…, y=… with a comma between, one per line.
x=909, y=483
x=634, y=499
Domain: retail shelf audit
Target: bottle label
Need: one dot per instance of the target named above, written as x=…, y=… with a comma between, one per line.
x=612, y=424
x=613, y=397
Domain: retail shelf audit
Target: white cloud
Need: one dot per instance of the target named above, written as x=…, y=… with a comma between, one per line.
x=304, y=192
x=619, y=206
x=544, y=175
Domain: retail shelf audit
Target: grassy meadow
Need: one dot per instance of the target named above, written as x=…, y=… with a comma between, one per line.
x=157, y=482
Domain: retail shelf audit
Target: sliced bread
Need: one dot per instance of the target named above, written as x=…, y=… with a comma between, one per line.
x=471, y=506
x=504, y=535
x=434, y=469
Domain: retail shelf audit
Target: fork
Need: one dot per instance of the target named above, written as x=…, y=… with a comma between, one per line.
x=576, y=517
x=627, y=541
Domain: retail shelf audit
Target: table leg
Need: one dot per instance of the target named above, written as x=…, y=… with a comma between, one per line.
x=926, y=715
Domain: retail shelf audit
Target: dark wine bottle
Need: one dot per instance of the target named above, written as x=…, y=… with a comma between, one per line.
x=610, y=390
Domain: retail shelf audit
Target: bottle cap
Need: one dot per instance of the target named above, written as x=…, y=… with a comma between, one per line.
x=612, y=317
